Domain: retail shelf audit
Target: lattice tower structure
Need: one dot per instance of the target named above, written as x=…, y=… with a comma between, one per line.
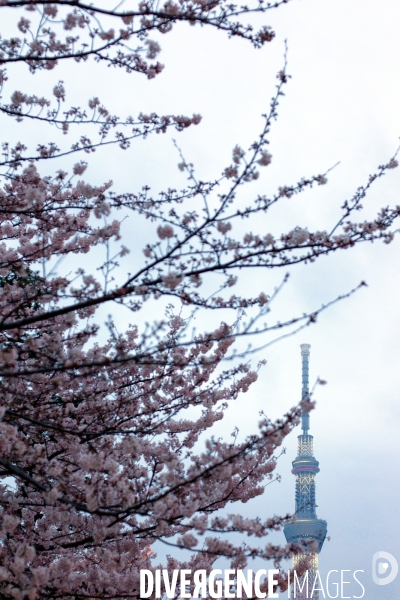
x=306, y=530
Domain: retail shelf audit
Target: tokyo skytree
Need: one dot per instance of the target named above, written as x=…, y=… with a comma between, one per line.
x=306, y=530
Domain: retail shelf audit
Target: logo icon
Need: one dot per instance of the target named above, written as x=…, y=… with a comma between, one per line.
x=384, y=568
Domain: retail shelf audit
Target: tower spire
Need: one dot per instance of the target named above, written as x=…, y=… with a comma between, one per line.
x=305, y=356
x=306, y=530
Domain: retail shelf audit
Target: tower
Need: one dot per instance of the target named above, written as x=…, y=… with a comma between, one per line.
x=306, y=530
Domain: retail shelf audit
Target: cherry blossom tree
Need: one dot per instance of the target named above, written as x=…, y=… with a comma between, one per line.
x=106, y=447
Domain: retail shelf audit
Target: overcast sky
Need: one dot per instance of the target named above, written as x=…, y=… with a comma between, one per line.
x=342, y=104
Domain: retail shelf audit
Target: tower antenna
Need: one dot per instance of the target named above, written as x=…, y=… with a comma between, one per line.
x=305, y=394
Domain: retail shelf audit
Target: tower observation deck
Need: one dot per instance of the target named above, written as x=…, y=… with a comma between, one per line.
x=306, y=530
